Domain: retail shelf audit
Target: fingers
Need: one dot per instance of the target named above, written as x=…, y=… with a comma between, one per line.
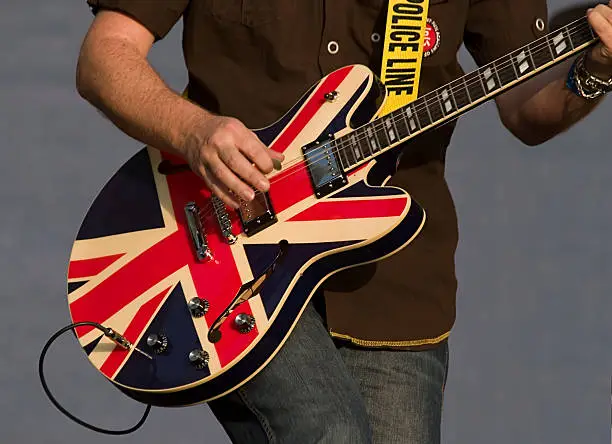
x=257, y=152
x=218, y=188
x=231, y=159
x=264, y=158
x=228, y=167
x=600, y=19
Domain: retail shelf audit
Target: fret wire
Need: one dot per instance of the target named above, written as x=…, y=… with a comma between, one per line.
x=397, y=116
x=569, y=37
x=428, y=112
x=453, y=95
x=338, y=155
x=439, y=97
x=366, y=141
x=350, y=150
x=415, y=117
x=460, y=89
x=377, y=137
x=385, y=131
x=390, y=126
x=467, y=90
x=531, y=58
x=397, y=133
x=360, y=140
x=484, y=89
x=512, y=62
x=500, y=84
x=376, y=141
x=550, y=48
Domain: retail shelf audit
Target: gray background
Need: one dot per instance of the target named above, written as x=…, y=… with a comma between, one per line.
x=531, y=360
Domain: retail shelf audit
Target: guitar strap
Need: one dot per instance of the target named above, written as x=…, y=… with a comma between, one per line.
x=403, y=52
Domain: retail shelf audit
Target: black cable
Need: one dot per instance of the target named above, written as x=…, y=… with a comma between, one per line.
x=107, y=332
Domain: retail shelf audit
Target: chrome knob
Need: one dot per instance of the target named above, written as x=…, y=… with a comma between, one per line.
x=331, y=96
x=157, y=342
x=198, y=358
x=244, y=322
x=198, y=307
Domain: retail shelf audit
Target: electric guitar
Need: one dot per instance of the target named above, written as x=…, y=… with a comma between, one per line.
x=201, y=297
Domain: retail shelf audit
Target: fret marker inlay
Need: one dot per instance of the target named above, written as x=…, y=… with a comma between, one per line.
x=559, y=42
x=390, y=132
x=372, y=139
x=410, y=119
x=523, y=64
x=355, y=147
x=488, y=75
x=448, y=106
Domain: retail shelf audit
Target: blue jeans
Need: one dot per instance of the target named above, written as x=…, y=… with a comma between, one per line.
x=317, y=391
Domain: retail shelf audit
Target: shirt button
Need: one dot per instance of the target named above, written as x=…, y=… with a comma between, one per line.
x=332, y=47
x=375, y=37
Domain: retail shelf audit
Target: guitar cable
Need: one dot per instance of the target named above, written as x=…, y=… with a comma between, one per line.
x=117, y=338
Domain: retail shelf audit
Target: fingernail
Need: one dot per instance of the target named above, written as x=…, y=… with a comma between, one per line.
x=277, y=164
x=591, y=9
x=263, y=185
x=249, y=195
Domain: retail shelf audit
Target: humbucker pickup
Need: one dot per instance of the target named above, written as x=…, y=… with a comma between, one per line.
x=326, y=175
x=256, y=214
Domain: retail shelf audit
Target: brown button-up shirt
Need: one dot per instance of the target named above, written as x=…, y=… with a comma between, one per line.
x=253, y=59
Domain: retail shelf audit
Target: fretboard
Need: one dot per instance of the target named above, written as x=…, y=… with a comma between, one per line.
x=460, y=95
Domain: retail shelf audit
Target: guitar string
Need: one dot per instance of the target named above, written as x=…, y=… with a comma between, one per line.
x=432, y=97
x=345, y=144
x=428, y=101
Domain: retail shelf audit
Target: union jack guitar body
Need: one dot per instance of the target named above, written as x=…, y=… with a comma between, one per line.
x=201, y=297
x=159, y=261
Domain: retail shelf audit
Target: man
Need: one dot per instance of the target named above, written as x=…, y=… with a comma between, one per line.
x=368, y=365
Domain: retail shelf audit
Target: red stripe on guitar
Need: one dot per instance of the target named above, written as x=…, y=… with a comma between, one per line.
x=235, y=342
x=218, y=281
x=90, y=267
x=352, y=209
x=132, y=280
x=290, y=187
x=330, y=83
x=118, y=356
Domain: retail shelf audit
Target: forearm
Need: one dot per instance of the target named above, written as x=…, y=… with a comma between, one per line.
x=115, y=78
x=551, y=107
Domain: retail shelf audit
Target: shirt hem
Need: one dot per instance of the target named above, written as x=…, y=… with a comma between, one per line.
x=409, y=343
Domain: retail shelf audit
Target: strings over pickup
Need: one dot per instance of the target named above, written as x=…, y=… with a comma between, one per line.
x=256, y=214
x=326, y=174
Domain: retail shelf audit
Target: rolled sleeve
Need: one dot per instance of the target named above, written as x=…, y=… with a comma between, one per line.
x=158, y=16
x=497, y=27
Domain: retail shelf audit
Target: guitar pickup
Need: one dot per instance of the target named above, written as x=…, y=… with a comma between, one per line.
x=257, y=214
x=196, y=230
x=326, y=174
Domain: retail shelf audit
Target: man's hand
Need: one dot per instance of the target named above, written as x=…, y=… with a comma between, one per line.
x=229, y=157
x=599, y=61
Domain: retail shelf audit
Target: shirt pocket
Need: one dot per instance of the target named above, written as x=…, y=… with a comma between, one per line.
x=250, y=13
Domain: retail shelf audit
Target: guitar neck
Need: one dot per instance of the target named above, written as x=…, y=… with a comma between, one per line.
x=459, y=96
